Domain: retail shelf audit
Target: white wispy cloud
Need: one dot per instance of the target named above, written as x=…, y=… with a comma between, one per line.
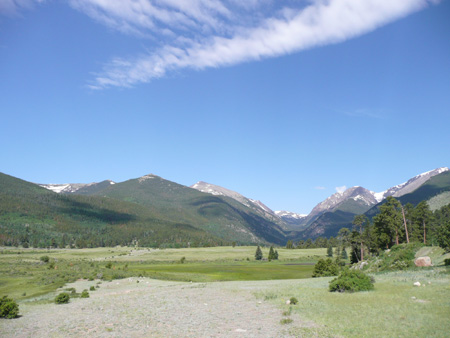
x=341, y=189
x=204, y=34
x=319, y=188
x=13, y=7
x=199, y=34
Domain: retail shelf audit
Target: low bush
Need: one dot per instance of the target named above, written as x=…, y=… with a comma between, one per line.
x=351, y=281
x=62, y=298
x=92, y=288
x=293, y=301
x=447, y=261
x=44, y=259
x=84, y=294
x=325, y=267
x=8, y=308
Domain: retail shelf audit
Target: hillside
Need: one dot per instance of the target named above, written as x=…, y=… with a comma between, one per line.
x=36, y=216
x=435, y=190
x=221, y=216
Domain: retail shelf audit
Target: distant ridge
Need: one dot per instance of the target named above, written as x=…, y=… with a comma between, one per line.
x=252, y=219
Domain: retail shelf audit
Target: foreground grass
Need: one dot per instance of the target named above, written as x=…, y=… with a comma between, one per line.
x=23, y=275
x=395, y=308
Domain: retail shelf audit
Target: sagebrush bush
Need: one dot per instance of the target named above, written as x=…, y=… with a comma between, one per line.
x=84, y=294
x=92, y=288
x=8, y=308
x=325, y=267
x=351, y=281
x=62, y=298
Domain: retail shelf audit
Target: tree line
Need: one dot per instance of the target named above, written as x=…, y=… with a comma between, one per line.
x=396, y=224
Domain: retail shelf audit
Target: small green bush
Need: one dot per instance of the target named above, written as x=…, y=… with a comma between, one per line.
x=62, y=298
x=44, y=259
x=325, y=267
x=285, y=321
x=92, y=288
x=351, y=281
x=293, y=301
x=447, y=261
x=8, y=308
x=84, y=294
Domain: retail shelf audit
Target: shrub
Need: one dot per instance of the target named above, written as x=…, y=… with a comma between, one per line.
x=293, y=300
x=325, y=267
x=44, y=259
x=285, y=321
x=92, y=288
x=8, y=308
x=84, y=294
x=351, y=281
x=447, y=261
x=62, y=298
x=182, y=260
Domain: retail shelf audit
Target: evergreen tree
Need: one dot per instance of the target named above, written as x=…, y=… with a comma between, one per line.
x=388, y=223
x=289, y=245
x=421, y=216
x=275, y=255
x=344, y=253
x=361, y=221
x=271, y=253
x=330, y=251
x=258, y=254
x=344, y=236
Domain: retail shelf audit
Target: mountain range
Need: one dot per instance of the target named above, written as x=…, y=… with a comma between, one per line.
x=326, y=218
x=156, y=211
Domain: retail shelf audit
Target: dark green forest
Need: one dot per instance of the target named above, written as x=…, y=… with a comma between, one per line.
x=33, y=216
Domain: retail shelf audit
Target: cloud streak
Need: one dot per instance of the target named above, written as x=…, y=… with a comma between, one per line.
x=199, y=34
x=13, y=7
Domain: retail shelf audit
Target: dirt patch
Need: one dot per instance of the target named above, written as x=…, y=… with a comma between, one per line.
x=154, y=308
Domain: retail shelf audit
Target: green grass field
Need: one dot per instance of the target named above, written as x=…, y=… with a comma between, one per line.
x=396, y=308
x=23, y=275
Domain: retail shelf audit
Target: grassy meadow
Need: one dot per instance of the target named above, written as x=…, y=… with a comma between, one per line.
x=396, y=308
x=23, y=275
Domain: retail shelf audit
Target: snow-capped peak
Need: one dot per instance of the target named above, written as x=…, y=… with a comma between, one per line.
x=410, y=185
x=284, y=213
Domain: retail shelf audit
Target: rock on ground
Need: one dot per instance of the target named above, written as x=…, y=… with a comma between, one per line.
x=423, y=261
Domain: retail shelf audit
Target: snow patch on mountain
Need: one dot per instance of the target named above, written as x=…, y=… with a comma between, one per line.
x=146, y=177
x=221, y=191
x=69, y=188
x=410, y=185
x=284, y=213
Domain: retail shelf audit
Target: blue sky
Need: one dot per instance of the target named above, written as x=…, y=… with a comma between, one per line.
x=282, y=101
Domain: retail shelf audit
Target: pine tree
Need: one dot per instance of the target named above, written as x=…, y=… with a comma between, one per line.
x=344, y=253
x=271, y=254
x=275, y=255
x=330, y=251
x=258, y=254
